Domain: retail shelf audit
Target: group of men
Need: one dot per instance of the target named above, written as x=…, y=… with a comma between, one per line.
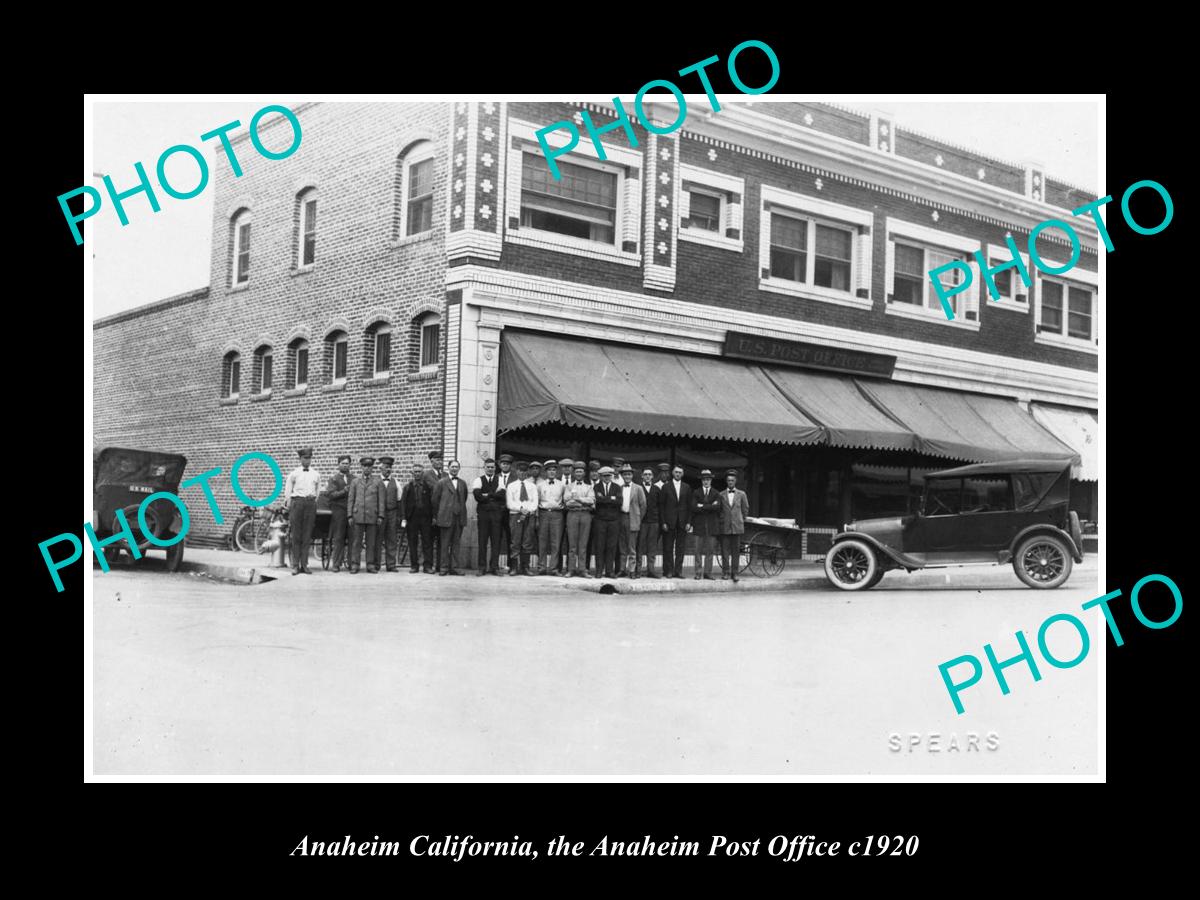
x=560, y=517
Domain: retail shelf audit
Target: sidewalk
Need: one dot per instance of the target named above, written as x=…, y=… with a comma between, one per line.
x=246, y=568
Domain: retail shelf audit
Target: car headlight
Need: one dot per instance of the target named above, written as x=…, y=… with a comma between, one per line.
x=848, y=527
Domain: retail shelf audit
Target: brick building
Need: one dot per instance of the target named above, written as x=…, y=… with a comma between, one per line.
x=748, y=291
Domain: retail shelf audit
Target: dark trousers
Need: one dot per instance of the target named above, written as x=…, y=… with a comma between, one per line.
x=450, y=536
x=729, y=553
x=706, y=548
x=489, y=539
x=420, y=532
x=505, y=538
x=672, y=543
x=302, y=516
x=647, y=544
x=337, y=536
x=357, y=534
x=524, y=540
x=579, y=529
x=605, y=537
x=626, y=541
x=389, y=538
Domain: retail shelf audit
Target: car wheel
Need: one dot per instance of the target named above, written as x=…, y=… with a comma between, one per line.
x=877, y=578
x=174, y=557
x=851, y=565
x=1043, y=561
x=1076, y=531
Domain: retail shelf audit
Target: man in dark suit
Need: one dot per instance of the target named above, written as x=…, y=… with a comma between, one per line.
x=433, y=475
x=490, y=508
x=674, y=514
x=416, y=517
x=337, y=489
x=505, y=476
x=649, y=533
x=450, y=514
x=735, y=506
x=606, y=523
x=706, y=523
x=389, y=536
x=365, y=513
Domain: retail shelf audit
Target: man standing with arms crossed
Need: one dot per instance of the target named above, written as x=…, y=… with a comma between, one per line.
x=491, y=505
x=579, y=499
x=706, y=523
x=550, y=519
x=605, y=525
x=647, y=536
x=338, y=489
x=300, y=499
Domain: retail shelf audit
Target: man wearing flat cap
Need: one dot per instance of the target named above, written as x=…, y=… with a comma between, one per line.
x=647, y=536
x=416, y=517
x=365, y=512
x=633, y=508
x=594, y=478
x=389, y=532
x=433, y=475
x=337, y=489
x=505, y=476
x=706, y=523
x=300, y=499
x=522, y=518
x=566, y=468
x=550, y=518
x=579, y=499
x=735, y=506
x=606, y=525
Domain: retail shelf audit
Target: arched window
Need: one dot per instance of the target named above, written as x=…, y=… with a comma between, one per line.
x=306, y=242
x=231, y=375
x=337, y=357
x=240, y=271
x=416, y=189
x=264, y=370
x=428, y=329
x=298, y=363
x=379, y=349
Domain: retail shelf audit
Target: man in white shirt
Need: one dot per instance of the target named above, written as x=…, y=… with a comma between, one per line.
x=505, y=476
x=300, y=500
x=522, y=515
x=550, y=518
x=633, y=508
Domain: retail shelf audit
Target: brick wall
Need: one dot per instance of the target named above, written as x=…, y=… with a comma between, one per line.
x=158, y=370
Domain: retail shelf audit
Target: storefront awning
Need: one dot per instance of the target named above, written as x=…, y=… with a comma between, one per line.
x=1080, y=429
x=958, y=425
x=544, y=378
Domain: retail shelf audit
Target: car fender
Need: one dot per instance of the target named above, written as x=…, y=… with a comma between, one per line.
x=1076, y=551
x=900, y=559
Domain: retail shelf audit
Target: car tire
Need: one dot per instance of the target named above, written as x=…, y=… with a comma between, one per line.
x=1043, y=561
x=174, y=557
x=1076, y=531
x=852, y=565
x=877, y=578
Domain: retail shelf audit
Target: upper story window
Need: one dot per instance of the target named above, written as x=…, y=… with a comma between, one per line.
x=913, y=251
x=337, y=356
x=379, y=339
x=264, y=370
x=429, y=327
x=241, y=248
x=704, y=210
x=417, y=181
x=814, y=248
x=581, y=204
x=710, y=208
x=231, y=375
x=594, y=209
x=1066, y=309
x=1014, y=295
x=298, y=350
x=307, y=243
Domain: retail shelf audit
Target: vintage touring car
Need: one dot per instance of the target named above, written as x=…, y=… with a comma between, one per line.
x=123, y=478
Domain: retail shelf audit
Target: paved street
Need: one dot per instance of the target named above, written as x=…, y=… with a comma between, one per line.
x=401, y=676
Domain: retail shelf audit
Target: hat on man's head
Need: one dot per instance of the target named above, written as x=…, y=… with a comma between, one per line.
x=594, y=464
x=578, y=467
x=386, y=460
x=436, y=454
x=550, y=463
x=417, y=464
x=606, y=470
x=566, y=463
x=367, y=461
x=664, y=467
x=626, y=468
x=521, y=465
x=618, y=461
x=706, y=473
x=344, y=458
x=506, y=457
x=305, y=451
x=536, y=465
x=732, y=472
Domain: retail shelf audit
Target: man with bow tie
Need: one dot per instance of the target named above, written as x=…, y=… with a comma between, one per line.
x=606, y=524
x=735, y=506
x=550, y=518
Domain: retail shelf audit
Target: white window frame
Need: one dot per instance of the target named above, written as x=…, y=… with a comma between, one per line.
x=334, y=378
x=264, y=389
x=424, y=322
x=378, y=372
x=928, y=239
x=230, y=393
x=420, y=153
x=1074, y=278
x=998, y=254
x=306, y=347
x=712, y=184
x=628, y=209
x=242, y=218
x=815, y=212
x=305, y=197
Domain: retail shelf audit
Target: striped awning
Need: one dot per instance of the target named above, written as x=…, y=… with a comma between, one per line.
x=1078, y=427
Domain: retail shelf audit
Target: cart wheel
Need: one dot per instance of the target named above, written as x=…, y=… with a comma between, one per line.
x=766, y=559
x=174, y=557
x=326, y=552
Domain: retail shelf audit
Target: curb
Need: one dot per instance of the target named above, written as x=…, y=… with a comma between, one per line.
x=236, y=574
x=691, y=586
